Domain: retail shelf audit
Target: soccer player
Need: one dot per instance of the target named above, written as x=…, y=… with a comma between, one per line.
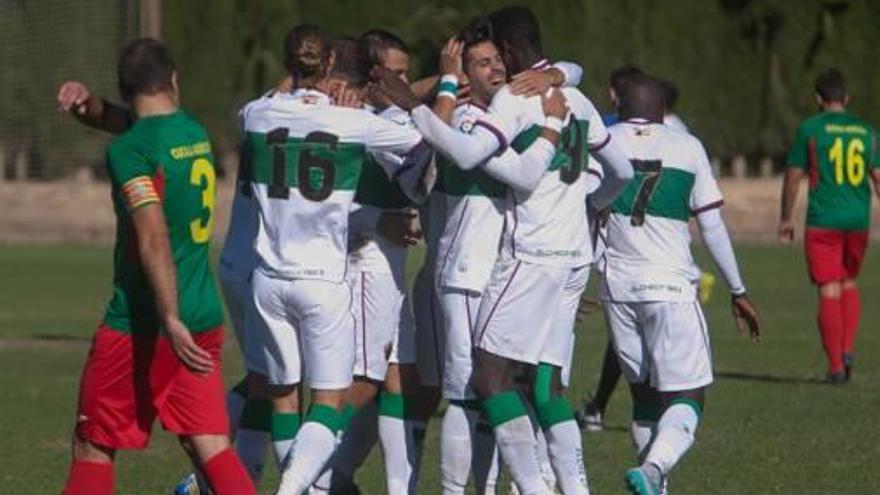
x=383, y=318
x=649, y=282
x=157, y=350
x=616, y=81
x=545, y=251
x=305, y=161
x=838, y=152
x=670, y=118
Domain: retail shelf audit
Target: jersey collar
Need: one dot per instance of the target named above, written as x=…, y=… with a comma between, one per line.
x=310, y=96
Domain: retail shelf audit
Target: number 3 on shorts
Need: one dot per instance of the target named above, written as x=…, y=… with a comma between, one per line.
x=200, y=228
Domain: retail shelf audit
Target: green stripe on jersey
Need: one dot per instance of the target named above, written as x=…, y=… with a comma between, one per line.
x=670, y=197
x=287, y=162
x=572, y=144
x=475, y=182
x=374, y=188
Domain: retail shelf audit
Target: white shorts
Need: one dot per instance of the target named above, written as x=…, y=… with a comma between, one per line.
x=667, y=342
x=430, y=338
x=460, y=309
x=239, y=297
x=528, y=310
x=383, y=319
x=307, y=327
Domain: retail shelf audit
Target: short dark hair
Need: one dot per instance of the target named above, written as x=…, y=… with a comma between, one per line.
x=642, y=97
x=477, y=31
x=831, y=86
x=351, y=62
x=622, y=74
x=306, y=51
x=377, y=41
x=517, y=27
x=671, y=94
x=145, y=67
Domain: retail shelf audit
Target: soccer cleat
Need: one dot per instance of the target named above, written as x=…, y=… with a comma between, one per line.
x=639, y=482
x=848, y=365
x=837, y=378
x=191, y=485
x=590, y=418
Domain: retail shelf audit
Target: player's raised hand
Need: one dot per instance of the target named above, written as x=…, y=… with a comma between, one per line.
x=532, y=82
x=187, y=350
x=400, y=227
x=450, y=58
x=786, y=232
x=72, y=97
x=554, y=104
x=746, y=315
x=394, y=88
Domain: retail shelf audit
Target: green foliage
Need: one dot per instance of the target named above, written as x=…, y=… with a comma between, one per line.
x=744, y=67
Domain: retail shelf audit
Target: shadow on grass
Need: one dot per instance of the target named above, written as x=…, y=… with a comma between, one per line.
x=757, y=377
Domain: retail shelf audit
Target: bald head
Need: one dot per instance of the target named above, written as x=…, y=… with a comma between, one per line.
x=642, y=97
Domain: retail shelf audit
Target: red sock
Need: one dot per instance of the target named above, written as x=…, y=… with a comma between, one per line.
x=89, y=478
x=831, y=328
x=852, y=311
x=227, y=475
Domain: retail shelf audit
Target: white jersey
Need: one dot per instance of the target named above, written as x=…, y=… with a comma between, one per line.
x=468, y=247
x=648, y=256
x=306, y=159
x=370, y=252
x=549, y=225
x=674, y=121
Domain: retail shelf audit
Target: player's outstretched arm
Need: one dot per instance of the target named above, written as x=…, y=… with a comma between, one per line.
x=77, y=99
x=523, y=172
x=717, y=242
x=790, y=187
x=155, y=254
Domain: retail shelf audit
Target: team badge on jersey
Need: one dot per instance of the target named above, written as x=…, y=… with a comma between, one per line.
x=467, y=125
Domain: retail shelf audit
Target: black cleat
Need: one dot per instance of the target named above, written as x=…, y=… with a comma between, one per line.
x=838, y=378
x=848, y=365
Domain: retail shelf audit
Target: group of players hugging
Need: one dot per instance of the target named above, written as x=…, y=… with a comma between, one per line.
x=519, y=190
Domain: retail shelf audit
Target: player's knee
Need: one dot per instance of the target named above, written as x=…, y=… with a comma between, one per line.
x=84, y=450
x=547, y=384
x=492, y=374
x=204, y=447
x=830, y=290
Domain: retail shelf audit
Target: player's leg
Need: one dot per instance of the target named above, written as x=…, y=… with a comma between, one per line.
x=555, y=414
x=825, y=260
x=512, y=326
x=430, y=342
x=359, y=434
x=677, y=340
x=593, y=412
x=114, y=412
x=851, y=305
x=325, y=326
x=464, y=445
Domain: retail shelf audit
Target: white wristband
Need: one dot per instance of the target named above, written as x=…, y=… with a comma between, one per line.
x=450, y=78
x=553, y=124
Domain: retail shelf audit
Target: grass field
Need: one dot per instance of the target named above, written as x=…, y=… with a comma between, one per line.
x=771, y=425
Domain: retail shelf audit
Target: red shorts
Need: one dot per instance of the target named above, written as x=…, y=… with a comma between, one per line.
x=834, y=255
x=129, y=380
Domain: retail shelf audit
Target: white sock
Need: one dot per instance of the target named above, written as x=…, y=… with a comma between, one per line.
x=542, y=454
x=486, y=459
x=456, y=448
x=675, y=435
x=312, y=447
x=642, y=432
x=284, y=429
x=401, y=441
x=354, y=448
x=516, y=441
x=567, y=455
x=251, y=447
